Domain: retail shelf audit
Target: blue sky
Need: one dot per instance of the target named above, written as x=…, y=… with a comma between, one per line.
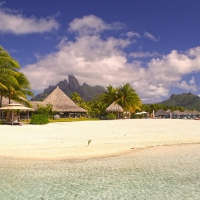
x=154, y=45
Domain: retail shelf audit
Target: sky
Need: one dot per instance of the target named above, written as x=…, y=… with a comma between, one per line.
x=154, y=45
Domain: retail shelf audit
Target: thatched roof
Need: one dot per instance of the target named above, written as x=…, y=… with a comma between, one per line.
x=177, y=112
x=187, y=112
x=5, y=101
x=60, y=101
x=161, y=112
x=15, y=106
x=195, y=112
x=169, y=111
x=114, y=107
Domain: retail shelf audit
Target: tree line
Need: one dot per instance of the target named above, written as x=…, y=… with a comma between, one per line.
x=124, y=95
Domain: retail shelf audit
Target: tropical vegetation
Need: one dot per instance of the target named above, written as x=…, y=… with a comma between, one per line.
x=39, y=119
x=110, y=116
x=123, y=95
x=13, y=83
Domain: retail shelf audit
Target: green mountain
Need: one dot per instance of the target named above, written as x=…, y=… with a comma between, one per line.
x=86, y=92
x=186, y=100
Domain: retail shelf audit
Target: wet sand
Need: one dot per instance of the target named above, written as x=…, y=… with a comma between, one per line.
x=58, y=141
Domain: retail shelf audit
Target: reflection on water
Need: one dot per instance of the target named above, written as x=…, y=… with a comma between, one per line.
x=141, y=175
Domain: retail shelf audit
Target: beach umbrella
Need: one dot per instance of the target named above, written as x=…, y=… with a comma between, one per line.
x=15, y=106
x=143, y=113
x=138, y=113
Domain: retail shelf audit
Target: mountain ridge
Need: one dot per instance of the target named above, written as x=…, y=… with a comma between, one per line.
x=86, y=91
x=186, y=100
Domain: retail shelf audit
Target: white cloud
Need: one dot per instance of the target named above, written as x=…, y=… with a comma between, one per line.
x=88, y=57
x=143, y=54
x=12, y=22
x=192, y=81
x=190, y=86
x=104, y=61
x=186, y=86
x=131, y=34
x=150, y=36
x=91, y=24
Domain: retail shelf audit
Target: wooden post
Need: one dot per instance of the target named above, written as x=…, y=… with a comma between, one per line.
x=27, y=117
x=12, y=116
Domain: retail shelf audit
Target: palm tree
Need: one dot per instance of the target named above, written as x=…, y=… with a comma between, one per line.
x=128, y=98
x=76, y=98
x=8, y=73
x=21, y=91
x=124, y=95
x=13, y=84
x=110, y=95
x=98, y=108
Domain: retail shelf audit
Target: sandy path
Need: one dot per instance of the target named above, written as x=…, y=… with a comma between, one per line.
x=69, y=140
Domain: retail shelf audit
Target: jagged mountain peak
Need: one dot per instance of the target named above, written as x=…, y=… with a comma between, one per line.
x=86, y=91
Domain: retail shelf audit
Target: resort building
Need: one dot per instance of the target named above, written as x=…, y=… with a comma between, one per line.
x=62, y=104
x=115, y=108
x=177, y=114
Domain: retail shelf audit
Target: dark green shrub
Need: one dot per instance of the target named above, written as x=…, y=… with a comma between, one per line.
x=110, y=116
x=39, y=119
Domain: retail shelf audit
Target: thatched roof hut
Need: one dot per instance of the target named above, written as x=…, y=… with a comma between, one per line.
x=169, y=111
x=186, y=112
x=161, y=113
x=195, y=112
x=60, y=101
x=114, y=107
x=177, y=113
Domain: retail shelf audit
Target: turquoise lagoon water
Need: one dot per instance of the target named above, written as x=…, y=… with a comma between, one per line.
x=138, y=175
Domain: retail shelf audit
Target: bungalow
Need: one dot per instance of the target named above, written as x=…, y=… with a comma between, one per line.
x=61, y=103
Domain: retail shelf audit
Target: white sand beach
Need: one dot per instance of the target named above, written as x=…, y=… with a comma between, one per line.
x=69, y=140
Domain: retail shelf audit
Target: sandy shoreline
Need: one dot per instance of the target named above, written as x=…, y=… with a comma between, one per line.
x=58, y=141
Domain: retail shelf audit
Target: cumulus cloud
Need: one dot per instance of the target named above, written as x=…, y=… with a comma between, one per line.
x=12, y=22
x=187, y=86
x=150, y=36
x=190, y=86
x=104, y=61
x=89, y=57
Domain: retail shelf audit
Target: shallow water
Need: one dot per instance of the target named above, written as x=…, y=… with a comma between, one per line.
x=147, y=174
